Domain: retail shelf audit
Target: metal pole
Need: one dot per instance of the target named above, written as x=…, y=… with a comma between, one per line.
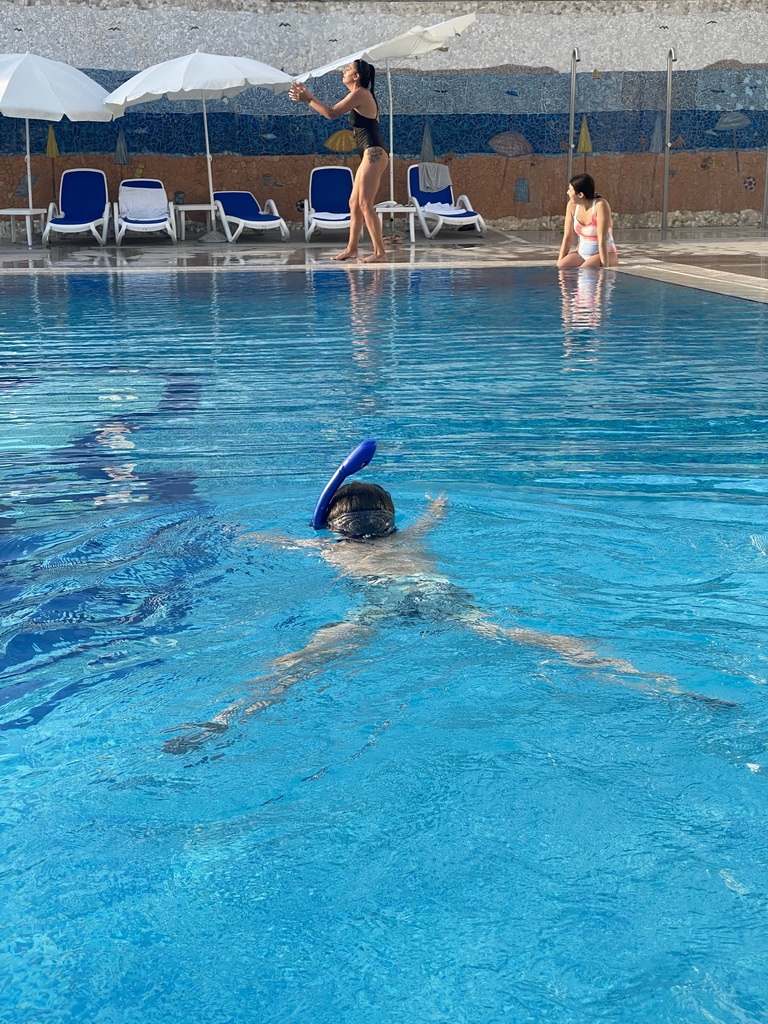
x=29, y=186
x=28, y=161
x=391, y=137
x=671, y=58
x=208, y=161
x=575, y=58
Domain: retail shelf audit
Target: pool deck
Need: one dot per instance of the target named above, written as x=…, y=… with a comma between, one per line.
x=728, y=261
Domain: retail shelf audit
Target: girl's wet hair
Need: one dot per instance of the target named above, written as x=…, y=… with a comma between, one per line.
x=361, y=510
x=585, y=184
x=367, y=74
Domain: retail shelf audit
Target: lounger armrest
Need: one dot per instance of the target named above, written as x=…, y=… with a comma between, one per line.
x=414, y=202
x=307, y=211
x=464, y=201
x=269, y=207
x=53, y=211
x=171, y=213
x=106, y=213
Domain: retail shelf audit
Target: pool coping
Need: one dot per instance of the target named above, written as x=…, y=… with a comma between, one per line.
x=645, y=257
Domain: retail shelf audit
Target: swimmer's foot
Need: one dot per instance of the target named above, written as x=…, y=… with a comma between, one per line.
x=194, y=740
x=713, y=702
x=375, y=257
x=348, y=254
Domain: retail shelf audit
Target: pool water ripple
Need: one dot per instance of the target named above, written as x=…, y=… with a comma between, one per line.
x=441, y=825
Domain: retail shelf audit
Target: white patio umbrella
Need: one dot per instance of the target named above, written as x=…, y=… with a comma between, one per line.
x=198, y=76
x=412, y=43
x=39, y=89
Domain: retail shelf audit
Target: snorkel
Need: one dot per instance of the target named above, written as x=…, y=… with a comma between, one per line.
x=354, y=462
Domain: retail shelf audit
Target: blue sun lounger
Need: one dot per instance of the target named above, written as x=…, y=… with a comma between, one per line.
x=327, y=208
x=240, y=210
x=83, y=205
x=439, y=207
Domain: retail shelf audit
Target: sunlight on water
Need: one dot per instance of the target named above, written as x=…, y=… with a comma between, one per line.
x=437, y=822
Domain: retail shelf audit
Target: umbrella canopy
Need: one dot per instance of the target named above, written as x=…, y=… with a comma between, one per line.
x=198, y=76
x=47, y=90
x=510, y=144
x=412, y=43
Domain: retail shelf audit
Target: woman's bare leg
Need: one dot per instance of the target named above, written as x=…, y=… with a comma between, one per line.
x=573, y=260
x=370, y=173
x=355, y=223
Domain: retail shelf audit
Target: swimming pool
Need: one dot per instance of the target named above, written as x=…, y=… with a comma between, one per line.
x=437, y=826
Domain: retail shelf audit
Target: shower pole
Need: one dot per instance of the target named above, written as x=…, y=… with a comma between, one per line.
x=575, y=58
x=671, y=58
x=391, y=137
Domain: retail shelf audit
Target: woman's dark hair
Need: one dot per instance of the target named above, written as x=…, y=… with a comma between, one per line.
x=367, y=74
x=361, y=510
x=585, y=184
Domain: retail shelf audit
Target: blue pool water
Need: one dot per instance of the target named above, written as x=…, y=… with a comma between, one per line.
x=437, y=826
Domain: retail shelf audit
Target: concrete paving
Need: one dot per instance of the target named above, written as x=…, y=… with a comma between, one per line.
x=729, y=261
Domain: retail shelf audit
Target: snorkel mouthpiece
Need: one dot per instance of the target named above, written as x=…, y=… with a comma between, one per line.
x=355, y=461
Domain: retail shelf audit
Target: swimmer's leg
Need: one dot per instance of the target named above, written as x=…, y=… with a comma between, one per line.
x=576, y=653
x=329, y=644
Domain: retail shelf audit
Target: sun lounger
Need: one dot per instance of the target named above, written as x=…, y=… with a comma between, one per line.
x=143, y=206
x=240, y=210
x=83, y=205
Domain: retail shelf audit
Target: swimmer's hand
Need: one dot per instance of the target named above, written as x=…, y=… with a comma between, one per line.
x=435, y=512
x=437, y=506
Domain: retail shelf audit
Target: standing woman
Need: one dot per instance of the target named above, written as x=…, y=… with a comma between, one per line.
x=588, y=221
x=363, y=110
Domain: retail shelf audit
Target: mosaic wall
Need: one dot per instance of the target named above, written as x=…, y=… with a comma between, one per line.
x=469, y=114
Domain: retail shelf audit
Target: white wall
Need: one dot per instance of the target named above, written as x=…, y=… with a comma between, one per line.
x=613, y=35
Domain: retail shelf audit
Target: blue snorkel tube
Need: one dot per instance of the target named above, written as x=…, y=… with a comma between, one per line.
x=355, y=461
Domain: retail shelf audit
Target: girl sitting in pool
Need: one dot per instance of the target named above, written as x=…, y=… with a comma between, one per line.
x=588, y=222
x=399, y=579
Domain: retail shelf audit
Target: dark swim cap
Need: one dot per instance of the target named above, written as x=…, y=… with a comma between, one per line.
x=361, y=510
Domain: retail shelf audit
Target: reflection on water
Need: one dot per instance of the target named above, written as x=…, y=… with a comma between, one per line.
x=585, y=301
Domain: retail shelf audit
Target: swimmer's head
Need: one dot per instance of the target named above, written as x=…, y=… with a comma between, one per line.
x=361, y=510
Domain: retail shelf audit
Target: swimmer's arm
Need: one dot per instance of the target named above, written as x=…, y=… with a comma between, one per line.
x=567, y=242
x=435, y=513
x=279, y=540
x=603, y=213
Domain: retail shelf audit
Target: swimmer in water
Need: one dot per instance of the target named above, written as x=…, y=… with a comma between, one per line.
x=399, y=579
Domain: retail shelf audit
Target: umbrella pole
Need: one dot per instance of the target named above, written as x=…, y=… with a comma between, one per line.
x=208, y=160
x=391, y=137
x=29, y=167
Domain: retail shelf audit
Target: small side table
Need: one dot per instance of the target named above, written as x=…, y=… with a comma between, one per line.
x=398, y=211
x=28, y=214
x=181, y=216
